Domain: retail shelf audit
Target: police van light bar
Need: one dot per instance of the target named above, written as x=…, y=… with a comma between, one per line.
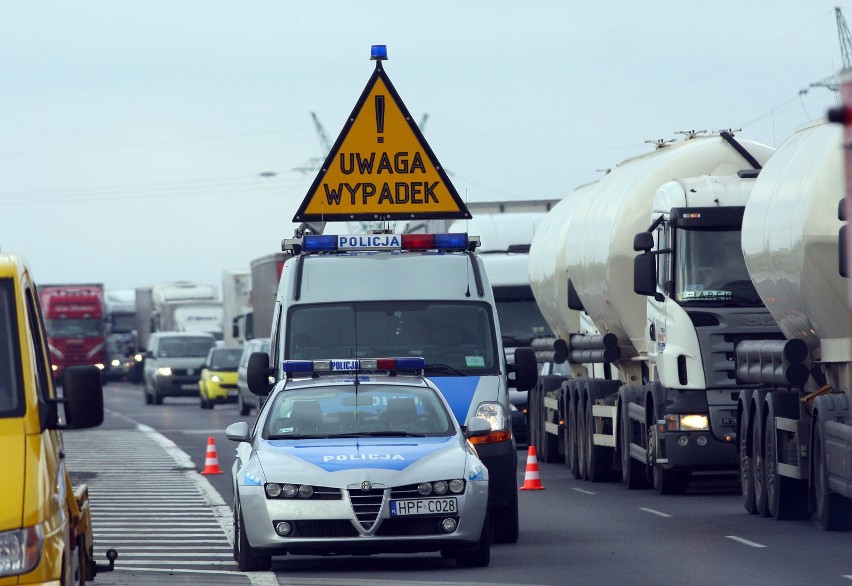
x=454, y=242
x=354, y=365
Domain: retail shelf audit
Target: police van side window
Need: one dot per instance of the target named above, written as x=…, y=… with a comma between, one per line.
x=275, y=342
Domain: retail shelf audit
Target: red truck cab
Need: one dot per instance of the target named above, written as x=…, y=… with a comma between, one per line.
x=74, y=319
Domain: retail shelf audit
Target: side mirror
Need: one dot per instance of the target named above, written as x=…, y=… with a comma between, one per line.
x=643, y=242
x=258, y=373
x=645, y=274
x=476, y=427
x=525, y=369
x=83, y=397
x=238, y=432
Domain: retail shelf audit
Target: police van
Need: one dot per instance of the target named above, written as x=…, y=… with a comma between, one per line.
x=406, y=295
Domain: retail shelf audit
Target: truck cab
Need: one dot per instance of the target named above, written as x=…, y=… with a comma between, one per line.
x=45, y=529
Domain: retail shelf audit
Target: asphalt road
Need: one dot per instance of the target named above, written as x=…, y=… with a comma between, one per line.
x=573, y=532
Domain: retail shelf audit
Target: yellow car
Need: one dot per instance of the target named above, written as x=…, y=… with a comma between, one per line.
x=218, y=382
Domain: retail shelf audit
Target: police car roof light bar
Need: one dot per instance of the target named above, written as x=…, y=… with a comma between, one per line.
x=353, y=365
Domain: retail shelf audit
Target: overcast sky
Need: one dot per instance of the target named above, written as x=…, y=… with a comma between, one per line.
x=158, y=140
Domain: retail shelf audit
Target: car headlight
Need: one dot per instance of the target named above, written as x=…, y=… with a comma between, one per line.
x=164, y=371
x=115, y=362
x=689, y=422
x=215, y=378
x=20, y=550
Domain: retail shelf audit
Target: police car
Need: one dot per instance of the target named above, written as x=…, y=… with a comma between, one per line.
x=358, y=457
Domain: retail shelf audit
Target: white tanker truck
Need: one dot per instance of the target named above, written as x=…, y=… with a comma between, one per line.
x=647, y=388
x=795, y=435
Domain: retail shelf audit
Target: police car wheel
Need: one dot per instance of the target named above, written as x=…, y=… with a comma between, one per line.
x=247, y=559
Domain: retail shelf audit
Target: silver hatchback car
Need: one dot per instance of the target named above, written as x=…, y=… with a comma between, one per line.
x=248, y=400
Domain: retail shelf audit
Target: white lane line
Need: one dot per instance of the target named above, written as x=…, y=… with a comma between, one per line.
x=583, y=491
x=745, y=541
x=848, y=577
x=653, y=512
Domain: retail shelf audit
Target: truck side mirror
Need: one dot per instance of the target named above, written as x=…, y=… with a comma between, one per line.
x=645, y=274
x=258, y=373
x=525, y=369
x=643, y=242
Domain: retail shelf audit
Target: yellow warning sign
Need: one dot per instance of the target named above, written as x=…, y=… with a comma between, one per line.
x=380, y=167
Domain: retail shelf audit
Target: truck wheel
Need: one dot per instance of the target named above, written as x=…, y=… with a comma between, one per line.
x=504, y=525
x=547, y=446
x=833, y=512
x=572, y=458
x=633, y=472
x=580, y=426
x=247, y=559
x=598, y=464
x=758, y=460
x=786, y=498
x=665, y=481
x=481, y=556
x=746, y=466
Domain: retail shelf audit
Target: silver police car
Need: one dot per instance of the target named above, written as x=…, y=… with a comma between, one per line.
x=358, y=457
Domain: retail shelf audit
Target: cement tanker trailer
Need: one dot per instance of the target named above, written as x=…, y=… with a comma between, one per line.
x=650, y=393
x=795, y=432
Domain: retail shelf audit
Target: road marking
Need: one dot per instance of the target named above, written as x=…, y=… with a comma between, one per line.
x=583, y=491
x=653, y=512
x=744, y=541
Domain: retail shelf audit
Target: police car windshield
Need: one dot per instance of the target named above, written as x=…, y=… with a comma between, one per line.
x=374, y=411
x=459, y=335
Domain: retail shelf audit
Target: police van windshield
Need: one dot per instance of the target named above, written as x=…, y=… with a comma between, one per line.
x=11, y=393
x=374, y=411
x=458, y=337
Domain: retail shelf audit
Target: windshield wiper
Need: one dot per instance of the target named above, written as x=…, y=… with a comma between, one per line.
x=296, y=436
x=380, y=434
x=444, y=368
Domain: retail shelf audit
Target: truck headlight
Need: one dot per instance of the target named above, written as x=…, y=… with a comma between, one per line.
x=690, y=422
x=164, y=371
x=20, y=550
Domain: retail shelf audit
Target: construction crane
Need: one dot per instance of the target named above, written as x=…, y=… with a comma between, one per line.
x=314, y=163
x=831, y=82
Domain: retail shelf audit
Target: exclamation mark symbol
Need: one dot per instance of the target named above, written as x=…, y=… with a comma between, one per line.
x=380, y=117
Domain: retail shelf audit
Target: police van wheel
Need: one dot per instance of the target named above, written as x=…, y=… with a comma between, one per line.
x=504, y=525
x=481, y=556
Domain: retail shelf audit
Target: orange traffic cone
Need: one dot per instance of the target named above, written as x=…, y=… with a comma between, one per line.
x=532, y=481
x=211, y=462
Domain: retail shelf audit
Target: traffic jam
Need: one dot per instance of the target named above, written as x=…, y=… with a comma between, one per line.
x=398, y=387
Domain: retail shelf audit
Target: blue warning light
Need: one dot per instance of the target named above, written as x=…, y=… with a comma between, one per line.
x=378, y=52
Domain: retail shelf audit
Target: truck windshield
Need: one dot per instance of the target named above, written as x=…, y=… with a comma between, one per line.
x=11, y=399
x=123, y=322
x=458, y=336
x=75, y=328
x=520, y=321
x=710, y=268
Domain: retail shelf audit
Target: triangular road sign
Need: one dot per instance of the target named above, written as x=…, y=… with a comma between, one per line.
x=380, y=167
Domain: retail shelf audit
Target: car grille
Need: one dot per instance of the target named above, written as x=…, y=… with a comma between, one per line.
x=405, y=492
x=227, y=386
x=325, y=528
x=413, y=526
x=366, y=504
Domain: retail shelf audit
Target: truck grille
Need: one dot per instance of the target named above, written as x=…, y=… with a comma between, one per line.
x=366, y=504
